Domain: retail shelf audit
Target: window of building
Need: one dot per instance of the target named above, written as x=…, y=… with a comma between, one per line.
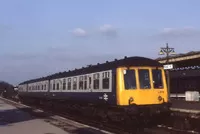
x=81, y=82
x=144, y=79
x=44, y=86
x=157, y=78
x=57, y=86
x=106, y=76
x=69, y=84
x=129, y=79
x=96, y=81
x=74, y=83
x=64, y=84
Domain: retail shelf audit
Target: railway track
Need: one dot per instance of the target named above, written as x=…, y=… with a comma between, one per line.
x=175, y=124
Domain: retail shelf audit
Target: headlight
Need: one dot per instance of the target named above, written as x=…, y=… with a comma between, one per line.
x=160, y=98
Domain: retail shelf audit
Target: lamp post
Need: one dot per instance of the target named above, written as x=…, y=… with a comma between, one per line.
x=168, y=51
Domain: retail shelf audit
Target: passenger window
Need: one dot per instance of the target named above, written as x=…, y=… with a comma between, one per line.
x=129, y=79
x=69, y=84
x=90, y=82
x=105, y=83
x=81, y=82
x=74, y=83
x=54, y=86
x=57, y=86
x=85, y=82
x=96, y=81
x=157, y=78
x=64, y=84
x=144, y=79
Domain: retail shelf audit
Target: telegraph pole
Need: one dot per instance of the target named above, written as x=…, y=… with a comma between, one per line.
x=168, y=51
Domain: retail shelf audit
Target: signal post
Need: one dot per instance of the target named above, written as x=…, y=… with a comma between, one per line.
x=167, y=51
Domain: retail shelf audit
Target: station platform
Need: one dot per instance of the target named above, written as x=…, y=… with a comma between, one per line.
x=185, y=106
x=15, y=121
x=21, y=120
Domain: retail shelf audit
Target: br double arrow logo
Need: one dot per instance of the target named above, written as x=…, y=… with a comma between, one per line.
x=105, y=97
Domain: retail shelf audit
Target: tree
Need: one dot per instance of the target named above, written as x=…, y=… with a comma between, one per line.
x=6, y=89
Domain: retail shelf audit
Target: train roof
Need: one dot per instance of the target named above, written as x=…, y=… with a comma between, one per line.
x=127, y=61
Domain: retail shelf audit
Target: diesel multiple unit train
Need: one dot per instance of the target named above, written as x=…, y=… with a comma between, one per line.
x=130, y=85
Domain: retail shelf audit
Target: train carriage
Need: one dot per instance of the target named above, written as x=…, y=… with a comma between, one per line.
x=131, y=83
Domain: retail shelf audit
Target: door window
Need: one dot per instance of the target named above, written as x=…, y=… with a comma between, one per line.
x=157, y=78
x=96, y=81
x=105, y=82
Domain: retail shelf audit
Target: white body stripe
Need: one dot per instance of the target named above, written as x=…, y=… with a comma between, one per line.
x=33, y=87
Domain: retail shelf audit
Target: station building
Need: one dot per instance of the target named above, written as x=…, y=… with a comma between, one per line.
x=185, y=74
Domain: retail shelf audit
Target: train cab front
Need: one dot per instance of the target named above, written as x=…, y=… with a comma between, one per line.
x=141, y=89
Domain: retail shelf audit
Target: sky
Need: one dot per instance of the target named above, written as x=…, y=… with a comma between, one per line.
x=42, y=37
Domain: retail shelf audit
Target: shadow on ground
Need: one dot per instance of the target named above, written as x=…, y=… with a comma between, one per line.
x=16, y=115
x=8, y=117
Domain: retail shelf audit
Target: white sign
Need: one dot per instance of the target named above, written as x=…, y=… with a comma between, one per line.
x=105, y=97
x=169, y=66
